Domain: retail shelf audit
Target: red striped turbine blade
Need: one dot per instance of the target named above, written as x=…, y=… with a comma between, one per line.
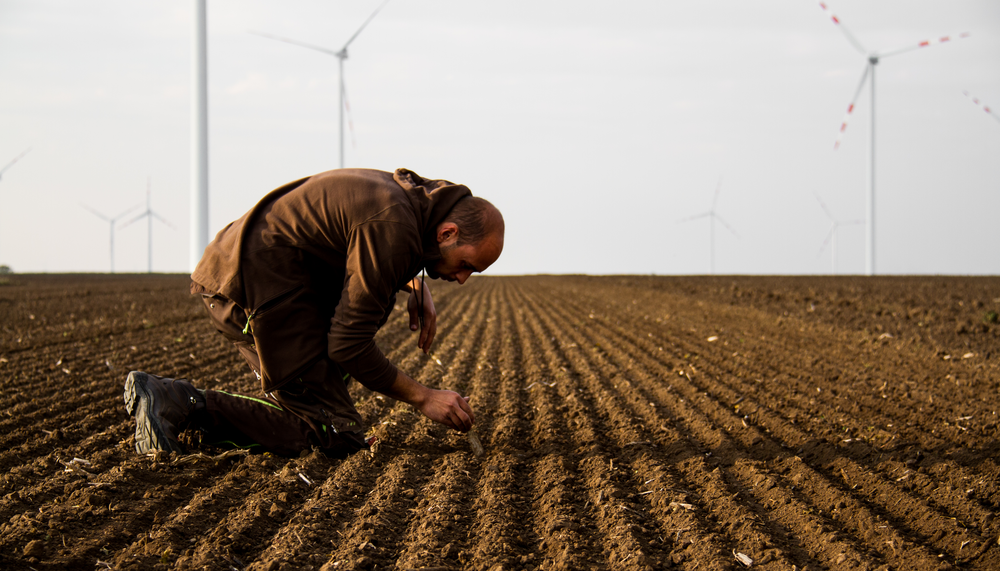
x=850, y=37
x=925, y=43
x=982, y=105
x=850, y=108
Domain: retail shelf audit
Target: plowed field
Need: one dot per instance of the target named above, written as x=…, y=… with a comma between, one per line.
x=628, y=422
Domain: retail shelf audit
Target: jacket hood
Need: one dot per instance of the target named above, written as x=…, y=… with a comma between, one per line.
x=432, y=200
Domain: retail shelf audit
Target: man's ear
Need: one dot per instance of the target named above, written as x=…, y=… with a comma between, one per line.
x=447, y=233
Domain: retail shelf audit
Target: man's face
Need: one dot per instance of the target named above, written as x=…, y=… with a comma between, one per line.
x=459, y=262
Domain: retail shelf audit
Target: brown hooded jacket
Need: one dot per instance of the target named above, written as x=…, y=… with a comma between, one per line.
x=360, y=234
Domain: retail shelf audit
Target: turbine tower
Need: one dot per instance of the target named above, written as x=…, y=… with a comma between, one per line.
x=148, y=214
x=982, y=105
x=869, y=71
x=199, y=136
x=831, y=237
x=712, y=217
x=111, y=224
x=341, y=55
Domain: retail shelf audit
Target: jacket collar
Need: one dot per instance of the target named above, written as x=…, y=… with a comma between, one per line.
x=432, y=200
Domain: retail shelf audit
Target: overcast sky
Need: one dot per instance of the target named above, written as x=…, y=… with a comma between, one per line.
x=594, y=126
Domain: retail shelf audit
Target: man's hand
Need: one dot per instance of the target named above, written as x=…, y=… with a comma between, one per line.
x=426, y=323
x=447, y=407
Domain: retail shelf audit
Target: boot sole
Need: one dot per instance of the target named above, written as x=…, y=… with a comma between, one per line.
x=149, y=435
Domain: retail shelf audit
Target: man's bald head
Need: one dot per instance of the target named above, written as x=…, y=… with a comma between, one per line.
x=476, y=219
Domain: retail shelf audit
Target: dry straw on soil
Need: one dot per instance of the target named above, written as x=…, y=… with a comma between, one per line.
x=628, y=423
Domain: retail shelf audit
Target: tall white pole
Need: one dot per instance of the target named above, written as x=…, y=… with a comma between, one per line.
x=340, y=59
x=199, y=136
x=149, y=228
x=112, y=246
x=870, y=198
x=833, y=250
x=711, y=243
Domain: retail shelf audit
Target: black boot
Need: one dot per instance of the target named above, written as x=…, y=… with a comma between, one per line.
x=162, y=409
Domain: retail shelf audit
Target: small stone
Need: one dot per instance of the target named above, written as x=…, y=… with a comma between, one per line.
x=35, y=548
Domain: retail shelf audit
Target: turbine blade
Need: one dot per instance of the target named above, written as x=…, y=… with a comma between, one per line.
x=123, y=213
x=850, y=108
x=17, y=158
x=829, y=236
x=294, y=42
x=370, y=18
x=695, y=217
x=924, y=44
x=715, y=198
x=982, y=105
x=825, y=209
x=350, y=119
x=161, y=219
x=96, y=213
x=850, y=37
x=724, y=223
x=136, y=219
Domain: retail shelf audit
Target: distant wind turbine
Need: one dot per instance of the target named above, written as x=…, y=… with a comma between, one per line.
x=148, y=214
x=111, y=224
x=11, y=163
x=982, y=105
x=831, y=237
x=341, y=55
x=712, y=217
x=873, y=59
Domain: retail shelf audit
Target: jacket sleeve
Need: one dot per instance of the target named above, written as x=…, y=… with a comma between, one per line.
x=378, y=255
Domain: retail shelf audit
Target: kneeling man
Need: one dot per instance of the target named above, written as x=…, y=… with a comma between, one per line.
x=300, y=284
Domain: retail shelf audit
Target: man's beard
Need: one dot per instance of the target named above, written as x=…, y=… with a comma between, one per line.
x=433, y=272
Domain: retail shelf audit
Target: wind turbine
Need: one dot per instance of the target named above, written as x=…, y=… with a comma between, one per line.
x=982, y=105
x=150, y=214
x=111, y=224
x=831, y=237
x=873, y=59
x=341, y=55
x=712, y=217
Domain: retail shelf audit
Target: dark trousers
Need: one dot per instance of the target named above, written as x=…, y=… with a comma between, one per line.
x=304, y=401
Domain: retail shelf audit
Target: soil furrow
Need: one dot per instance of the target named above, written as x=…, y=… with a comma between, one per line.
x=924, y=514
x=775, y=350
x=368, y=536
x=598, y=394
x=954, y=501
x=563, y=528
x=629, y=422
x=630, y=433
x=498, y=532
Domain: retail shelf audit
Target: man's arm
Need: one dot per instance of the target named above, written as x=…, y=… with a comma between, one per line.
x=447, y=407
x=427, y=323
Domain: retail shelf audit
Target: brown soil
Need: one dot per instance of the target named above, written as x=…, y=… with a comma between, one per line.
x=629, y=423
